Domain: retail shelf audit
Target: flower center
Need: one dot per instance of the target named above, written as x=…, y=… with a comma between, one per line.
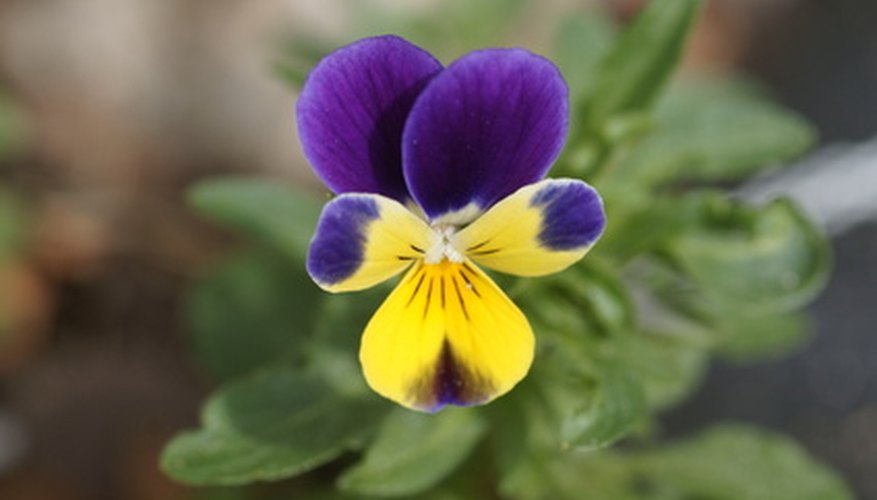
x=443, y=246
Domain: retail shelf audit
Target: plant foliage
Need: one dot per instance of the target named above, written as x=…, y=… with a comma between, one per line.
x=684, y=272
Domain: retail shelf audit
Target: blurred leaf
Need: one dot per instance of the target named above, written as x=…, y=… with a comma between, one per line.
x=603, y=297
x=616, y=404
x=275, y=214
x=734, y=462
x=254, y=309
x=14, y=223
x=275, y=425
x=720, y=137
x=414, y=451
x=292, y=73
x=583, y=302
x=767, y=259
x=640, y=222
x=447, y=29
x=642, y=59
x=762, y=338
x=300, y=55
x=668, y=369
x=12, y=126
x=628, y=127
x=581, y=41
x=345, y=316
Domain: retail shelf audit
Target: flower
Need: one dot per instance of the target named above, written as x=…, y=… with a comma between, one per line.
x=439, y=170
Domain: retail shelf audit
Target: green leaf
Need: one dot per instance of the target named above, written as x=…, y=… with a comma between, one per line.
x=414, y=451
x=771, y=259
x=581, y=41
x=277, y=215
x=734, y=462
x=299, y=56
x=718, y=137
x=601, y=296
x=448, y=29
x=14, y=224
x=253, y=309
x=275, y=425
x=615, y=406
x=639, y=222
x=12, y=126
x=668, y=369
x=587, y=300
x=762, y=338
x=641, y=61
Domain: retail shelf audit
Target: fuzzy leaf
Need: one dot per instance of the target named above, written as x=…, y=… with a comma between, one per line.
x=414, y=451
x=668, y=369
x=719, y=137
x=617, y=404
x=767, y=259
x=730, y=462
x=643, y=58
x=275, y=214
x=581, y=41
x=253, y=309
x=762, y=338
x=275, y=425
x=12, y=126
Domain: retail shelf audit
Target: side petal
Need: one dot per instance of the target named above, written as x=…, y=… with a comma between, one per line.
x=541, y=229
x=493, y=121
x=446, y=335
x=353, y=108
x=362, y=240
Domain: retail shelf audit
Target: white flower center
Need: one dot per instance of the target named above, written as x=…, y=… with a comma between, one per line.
x=443, y=246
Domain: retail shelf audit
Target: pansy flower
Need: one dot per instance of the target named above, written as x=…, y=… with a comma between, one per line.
x=440, y=171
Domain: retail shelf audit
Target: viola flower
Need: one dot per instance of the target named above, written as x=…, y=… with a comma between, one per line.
x=439, y=171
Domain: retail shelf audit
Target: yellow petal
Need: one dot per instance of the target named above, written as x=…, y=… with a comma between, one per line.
x=364, y=239
x=540, y=229
x=446, y=335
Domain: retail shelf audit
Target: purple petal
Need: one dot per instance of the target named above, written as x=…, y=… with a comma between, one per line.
x=352, y=111
x=492, y=122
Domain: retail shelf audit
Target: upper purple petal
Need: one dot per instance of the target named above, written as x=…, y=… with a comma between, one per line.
x=352, y=111
x=492, y=122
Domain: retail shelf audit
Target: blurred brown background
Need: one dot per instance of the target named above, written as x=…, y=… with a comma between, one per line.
x=127, y=102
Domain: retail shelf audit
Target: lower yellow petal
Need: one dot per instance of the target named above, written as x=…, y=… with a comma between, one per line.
x=446, y=335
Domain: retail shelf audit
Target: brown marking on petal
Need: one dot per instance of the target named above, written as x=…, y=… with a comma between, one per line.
x=479, y=245
x=450, y=383
x=460, y=299
x=428, y=297
x=416, y=289
x=486, y=252
x=469, y=284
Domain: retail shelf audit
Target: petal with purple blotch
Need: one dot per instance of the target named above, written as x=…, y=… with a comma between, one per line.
x=364, y=239
x=540, y=229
